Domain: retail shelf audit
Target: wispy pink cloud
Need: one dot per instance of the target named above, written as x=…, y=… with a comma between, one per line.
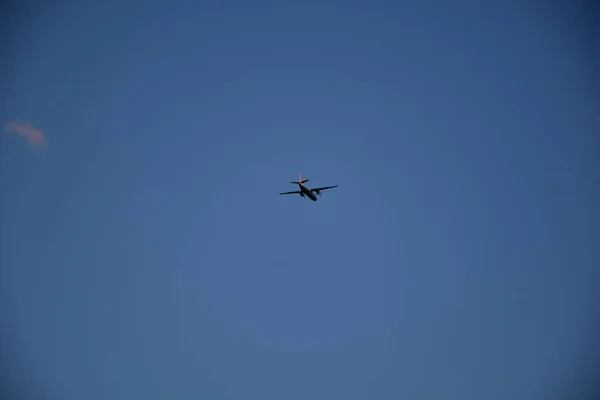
x=35, y=136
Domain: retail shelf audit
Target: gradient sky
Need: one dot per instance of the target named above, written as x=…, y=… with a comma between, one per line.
x=145, y=252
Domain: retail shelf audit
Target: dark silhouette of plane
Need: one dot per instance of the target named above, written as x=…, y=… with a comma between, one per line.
x=304, y=191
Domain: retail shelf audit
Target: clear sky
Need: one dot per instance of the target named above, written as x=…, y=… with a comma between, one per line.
x=146, y=253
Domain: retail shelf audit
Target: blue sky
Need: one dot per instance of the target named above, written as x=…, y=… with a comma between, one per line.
x=146, y=253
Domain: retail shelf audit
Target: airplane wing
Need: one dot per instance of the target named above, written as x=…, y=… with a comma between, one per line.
x=296, y=192
x=323, y=188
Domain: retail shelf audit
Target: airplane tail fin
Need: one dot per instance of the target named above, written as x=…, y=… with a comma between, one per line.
x=300, y=179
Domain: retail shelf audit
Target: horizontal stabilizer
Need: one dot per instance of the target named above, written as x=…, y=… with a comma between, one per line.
x=306, y=180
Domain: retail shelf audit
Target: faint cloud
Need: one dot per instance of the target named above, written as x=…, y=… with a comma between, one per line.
x=35, y=136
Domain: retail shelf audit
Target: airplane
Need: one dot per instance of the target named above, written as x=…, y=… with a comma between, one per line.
x=304, y=191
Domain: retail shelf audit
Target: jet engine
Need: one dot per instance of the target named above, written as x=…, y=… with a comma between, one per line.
x=301, y=194
x=318, y=192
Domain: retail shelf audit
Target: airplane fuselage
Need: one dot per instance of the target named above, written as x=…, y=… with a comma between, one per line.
x=307, y=192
